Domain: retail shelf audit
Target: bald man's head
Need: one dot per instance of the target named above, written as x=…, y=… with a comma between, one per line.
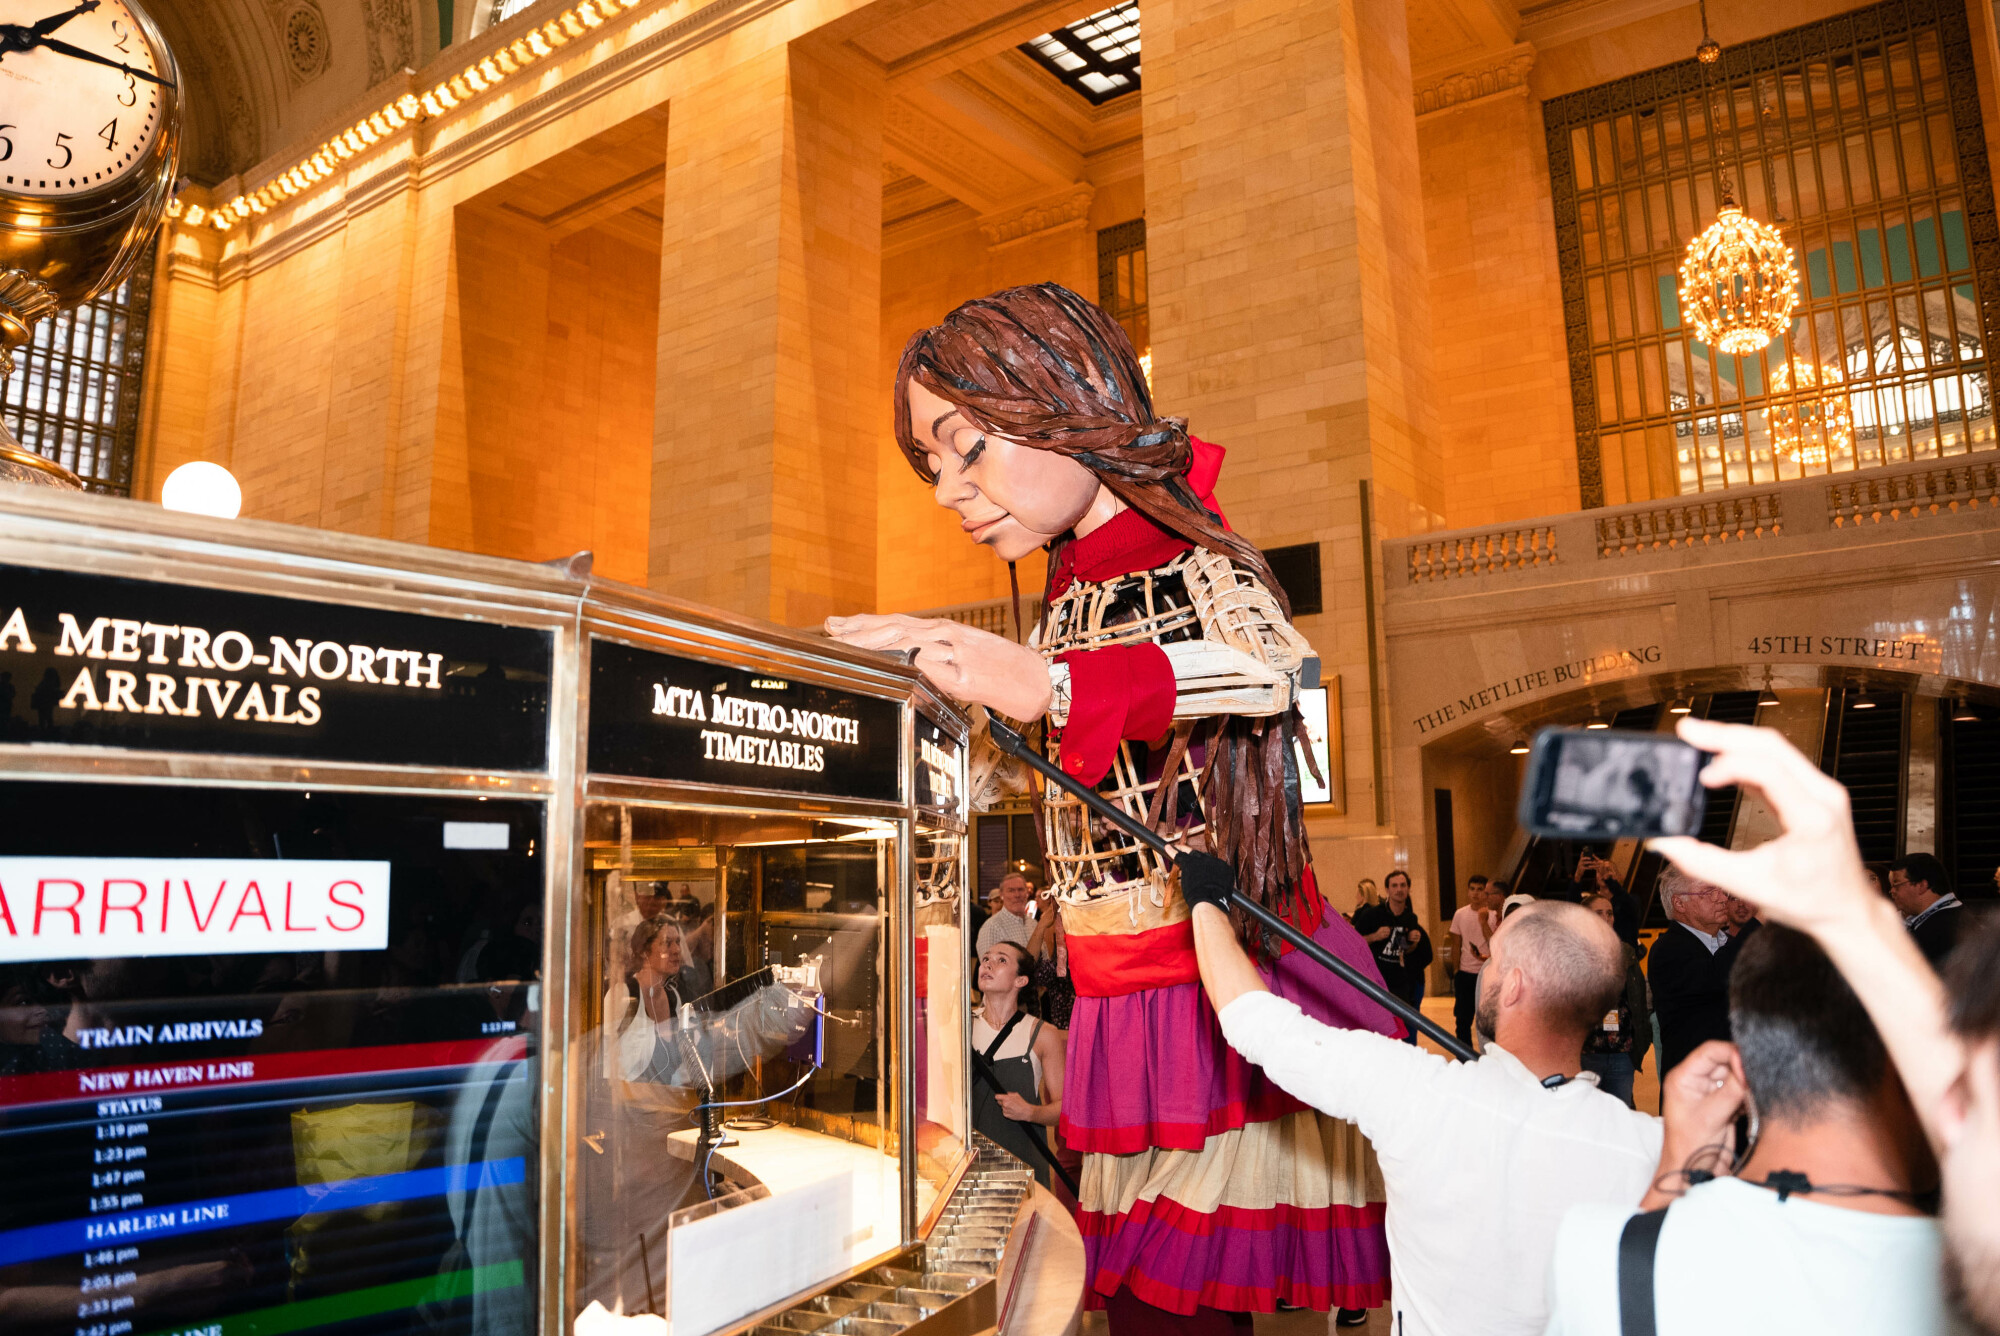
x=1571, y=964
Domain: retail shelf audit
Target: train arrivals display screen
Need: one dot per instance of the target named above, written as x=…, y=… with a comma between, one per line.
x=268, y=1061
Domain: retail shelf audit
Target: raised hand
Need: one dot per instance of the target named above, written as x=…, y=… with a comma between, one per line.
x=1811, y=875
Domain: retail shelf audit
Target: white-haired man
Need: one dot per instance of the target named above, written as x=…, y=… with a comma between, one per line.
x=1688, y=967
x=1480, y=1159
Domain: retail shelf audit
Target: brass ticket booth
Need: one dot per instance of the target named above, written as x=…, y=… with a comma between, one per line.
x=402, y=941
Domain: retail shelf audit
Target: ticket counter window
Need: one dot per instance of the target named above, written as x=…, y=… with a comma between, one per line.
x=733, y=1031
x=267, y=1060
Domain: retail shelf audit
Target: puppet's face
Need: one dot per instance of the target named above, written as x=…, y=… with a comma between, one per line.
x=1010, y=497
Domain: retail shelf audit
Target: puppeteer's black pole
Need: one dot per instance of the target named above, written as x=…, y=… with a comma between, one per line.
x=1015, y=745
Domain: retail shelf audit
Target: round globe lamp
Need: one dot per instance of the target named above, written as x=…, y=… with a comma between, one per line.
x=202, y=488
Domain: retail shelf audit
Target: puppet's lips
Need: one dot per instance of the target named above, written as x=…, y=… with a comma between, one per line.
x=980, y=528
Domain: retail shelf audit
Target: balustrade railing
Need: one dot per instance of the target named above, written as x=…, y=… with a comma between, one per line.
x=1694, y=523
x=1453, y=555
x=1842, y=503
x=1943, y=489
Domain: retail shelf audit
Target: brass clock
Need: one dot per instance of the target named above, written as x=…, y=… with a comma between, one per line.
x=89, y=144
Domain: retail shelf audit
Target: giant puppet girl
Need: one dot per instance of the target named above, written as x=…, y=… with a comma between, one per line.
x=1167, y=667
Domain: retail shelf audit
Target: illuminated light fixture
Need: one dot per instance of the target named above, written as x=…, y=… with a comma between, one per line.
x=1963, y=713
x=1738, y=285
x=202, y=488
x=1520, y=747
x=1862, y=700
x=1598, y=721
x=1767, y=696
x=1811, y=427
x=1681, y=705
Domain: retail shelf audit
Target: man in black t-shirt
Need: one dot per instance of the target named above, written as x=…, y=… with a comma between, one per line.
x=1402, y=948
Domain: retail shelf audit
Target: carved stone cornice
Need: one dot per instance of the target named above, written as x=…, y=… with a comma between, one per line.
x=1453, y=88
x=1067, y=208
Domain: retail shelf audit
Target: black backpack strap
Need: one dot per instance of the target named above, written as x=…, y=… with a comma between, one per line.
x=1005, y=1030
x=1638, y=1247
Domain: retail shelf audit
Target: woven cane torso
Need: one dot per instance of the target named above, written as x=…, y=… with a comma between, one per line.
x=1197, y=596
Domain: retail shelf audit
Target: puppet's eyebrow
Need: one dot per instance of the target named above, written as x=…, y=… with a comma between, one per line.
x=942, y=419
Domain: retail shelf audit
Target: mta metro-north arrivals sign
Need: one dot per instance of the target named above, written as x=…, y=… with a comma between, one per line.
x=658, y=716
x=96, y=660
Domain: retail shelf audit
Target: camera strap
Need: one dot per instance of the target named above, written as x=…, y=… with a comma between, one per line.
x=1638, y=1247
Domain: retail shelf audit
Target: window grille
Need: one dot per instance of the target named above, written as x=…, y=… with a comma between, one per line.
x=1121, y=283
x=1097, y=56
x=1860, y=138
x=74, y=394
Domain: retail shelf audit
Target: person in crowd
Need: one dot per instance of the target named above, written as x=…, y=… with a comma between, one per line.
x=1511, y=904
x=1616, y=1048
x=1922, y=891
x=1689, y=967
x=1823, y=1224
x=1945, y=1043
x=1367, y=893
x=1017, y=1069
x=1471, y=926
x=1739, y=920
x=1878, y=873
x=1394, y=933
x=1055, y=992
x=1594, y=876
x=1480, y=1159
x=1010, y=922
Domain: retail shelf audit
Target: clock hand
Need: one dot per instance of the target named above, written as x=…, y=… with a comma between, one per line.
x=64, y=48
x=54, y=21
x=23, y=36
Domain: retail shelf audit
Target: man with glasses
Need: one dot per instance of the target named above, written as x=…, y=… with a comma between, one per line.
x=1689, y=967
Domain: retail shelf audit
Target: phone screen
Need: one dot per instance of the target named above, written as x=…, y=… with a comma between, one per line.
x=1608, y=784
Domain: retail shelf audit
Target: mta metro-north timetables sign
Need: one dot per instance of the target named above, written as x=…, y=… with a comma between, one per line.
x=660, y=716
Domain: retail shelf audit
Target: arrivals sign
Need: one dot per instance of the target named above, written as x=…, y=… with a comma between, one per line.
x=100, y=661
x=659, y=716
x=56, y=907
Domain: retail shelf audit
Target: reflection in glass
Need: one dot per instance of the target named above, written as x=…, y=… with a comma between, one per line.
x=733, y=1022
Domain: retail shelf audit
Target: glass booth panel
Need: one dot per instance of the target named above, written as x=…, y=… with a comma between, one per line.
x=734, y=1026
x=938, y=1074
x=268, y=1060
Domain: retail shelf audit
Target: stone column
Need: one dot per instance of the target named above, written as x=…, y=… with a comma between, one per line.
x=1290, y=311
x=765, y=427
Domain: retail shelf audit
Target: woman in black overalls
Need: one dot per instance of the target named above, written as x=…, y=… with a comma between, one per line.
x=1020, y=1055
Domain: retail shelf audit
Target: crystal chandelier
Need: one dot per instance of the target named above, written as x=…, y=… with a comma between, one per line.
x=1810, y=427
x=1738, y=283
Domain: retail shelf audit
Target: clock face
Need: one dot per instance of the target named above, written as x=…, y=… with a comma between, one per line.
x=71, y=120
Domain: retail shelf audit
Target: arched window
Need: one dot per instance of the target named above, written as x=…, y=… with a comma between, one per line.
x=1860, y=139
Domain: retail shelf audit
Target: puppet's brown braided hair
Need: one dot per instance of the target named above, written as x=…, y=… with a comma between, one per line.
x=1042, y=366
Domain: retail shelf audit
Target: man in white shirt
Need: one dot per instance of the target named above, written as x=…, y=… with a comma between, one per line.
x=1469, y=928
x=1009, y=923
x=1822, y=1227
x=1481, y=1160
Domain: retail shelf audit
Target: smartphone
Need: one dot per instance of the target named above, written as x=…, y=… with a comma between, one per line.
x=1609, y=784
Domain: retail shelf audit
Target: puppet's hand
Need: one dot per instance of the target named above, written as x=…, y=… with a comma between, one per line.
x=971, y=666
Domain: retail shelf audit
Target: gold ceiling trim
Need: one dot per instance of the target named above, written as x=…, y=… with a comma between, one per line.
x=485, y=74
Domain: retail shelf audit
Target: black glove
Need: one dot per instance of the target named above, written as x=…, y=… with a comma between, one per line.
x=1205, y=879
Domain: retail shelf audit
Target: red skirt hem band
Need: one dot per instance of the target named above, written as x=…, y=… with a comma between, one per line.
x=1268, y=1106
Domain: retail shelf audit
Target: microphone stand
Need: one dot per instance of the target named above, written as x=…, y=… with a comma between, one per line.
x=1015, y=745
